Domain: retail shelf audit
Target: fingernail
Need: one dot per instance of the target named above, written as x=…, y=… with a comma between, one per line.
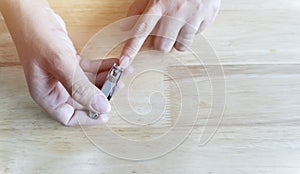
x=100, y=104
x=124, y=61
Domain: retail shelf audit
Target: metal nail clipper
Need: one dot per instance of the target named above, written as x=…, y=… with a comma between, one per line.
x=109, y=86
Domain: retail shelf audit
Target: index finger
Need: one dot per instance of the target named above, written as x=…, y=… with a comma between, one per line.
x=139, y=33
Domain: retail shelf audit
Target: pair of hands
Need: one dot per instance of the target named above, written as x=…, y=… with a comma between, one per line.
x=65, y=85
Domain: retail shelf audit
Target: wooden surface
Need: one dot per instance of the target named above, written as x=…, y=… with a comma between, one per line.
x=257, y=43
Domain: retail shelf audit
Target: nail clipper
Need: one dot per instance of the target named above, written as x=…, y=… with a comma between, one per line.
x=109, y=86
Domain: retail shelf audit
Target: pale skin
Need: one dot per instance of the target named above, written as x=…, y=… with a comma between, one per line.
x=51, y=62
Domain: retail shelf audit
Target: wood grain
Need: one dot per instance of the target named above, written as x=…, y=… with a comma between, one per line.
x=257, y=43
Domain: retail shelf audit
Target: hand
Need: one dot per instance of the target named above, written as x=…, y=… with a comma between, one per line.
x=174, y=22
x=58, y=80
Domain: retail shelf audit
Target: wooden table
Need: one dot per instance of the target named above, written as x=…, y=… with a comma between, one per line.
x=257, y=43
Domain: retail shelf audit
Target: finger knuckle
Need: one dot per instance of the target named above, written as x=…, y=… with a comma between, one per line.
x=141, y=29
x=61, y=57
x=58, y=60
x=156, y=7
x=78, y=89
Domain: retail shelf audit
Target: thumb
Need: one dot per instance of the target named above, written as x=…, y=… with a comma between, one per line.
x=86, y=93
x=79, y=87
